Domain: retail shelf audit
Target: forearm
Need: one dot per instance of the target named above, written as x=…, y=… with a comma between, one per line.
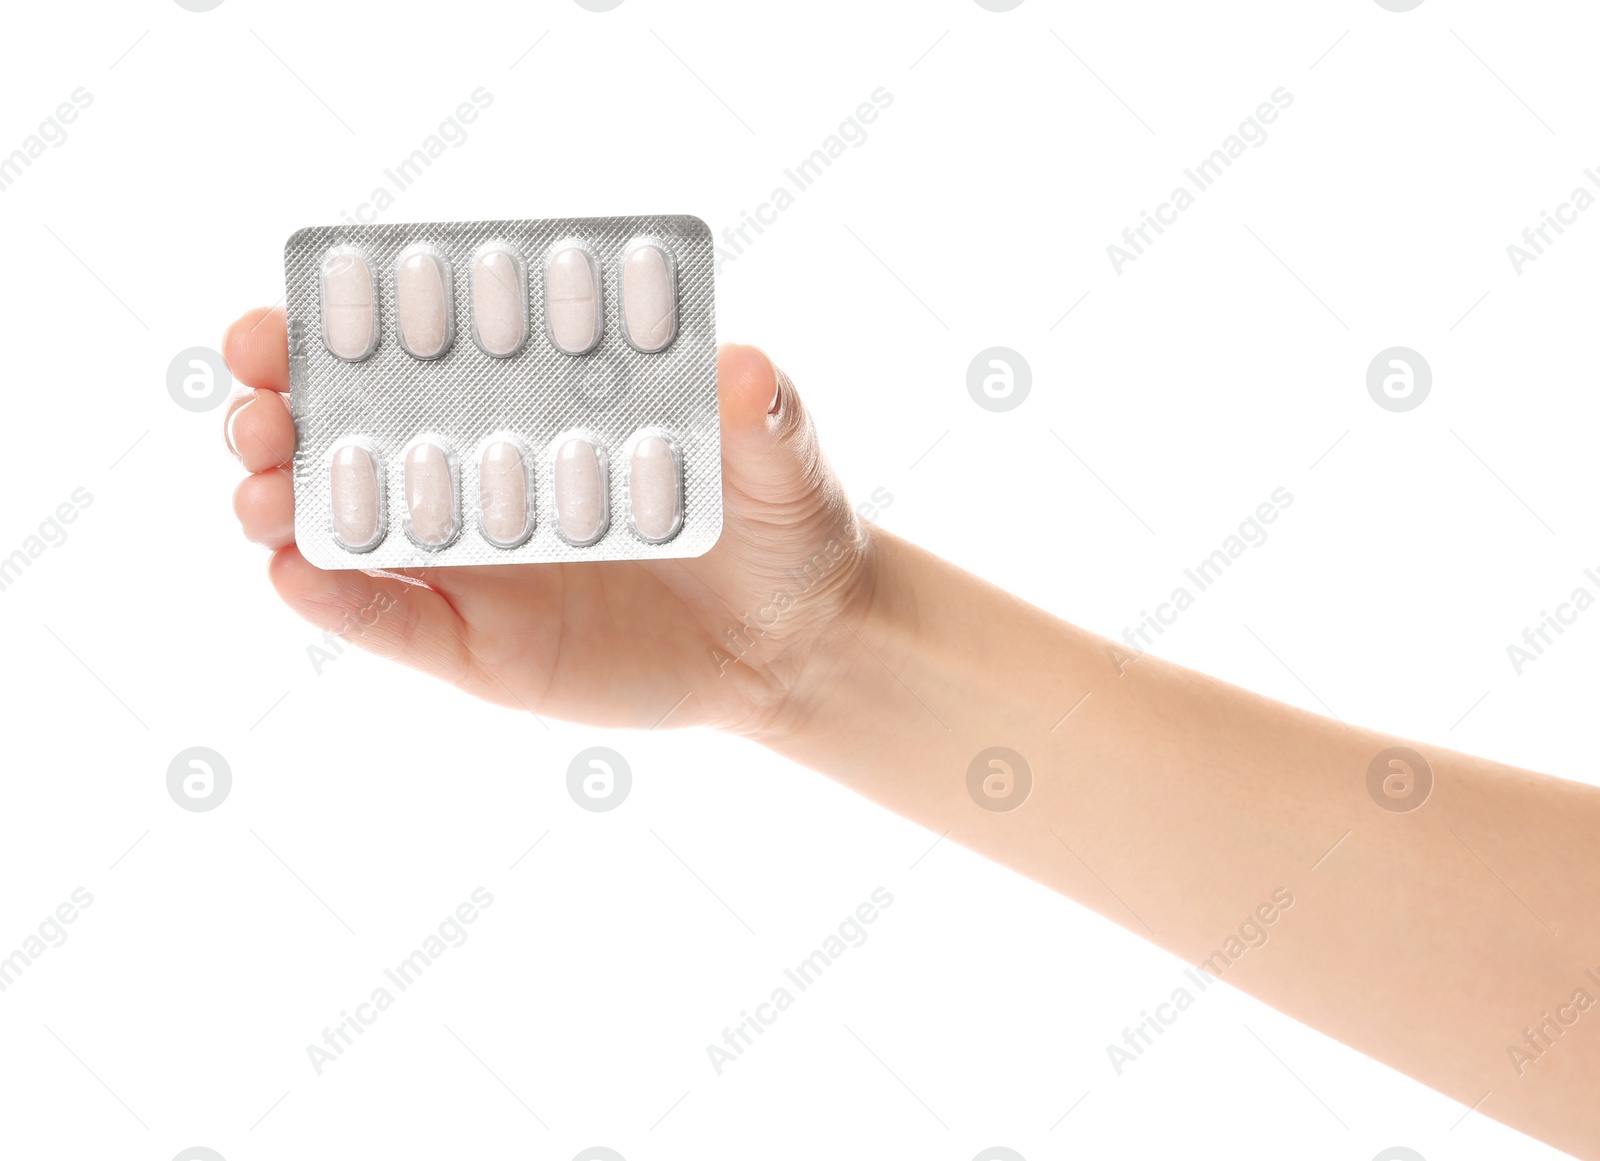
x=1185, y=809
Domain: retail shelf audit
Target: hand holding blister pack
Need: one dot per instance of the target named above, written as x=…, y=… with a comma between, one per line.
x=504, y=392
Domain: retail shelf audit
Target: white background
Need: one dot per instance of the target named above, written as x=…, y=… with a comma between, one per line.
x=1225, y=363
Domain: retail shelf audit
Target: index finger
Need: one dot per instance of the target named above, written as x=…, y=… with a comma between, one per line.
x=256, y=347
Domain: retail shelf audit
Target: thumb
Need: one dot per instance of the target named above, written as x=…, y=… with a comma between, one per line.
x=770, y=453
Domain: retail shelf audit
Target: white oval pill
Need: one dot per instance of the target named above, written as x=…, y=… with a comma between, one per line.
x=655, y=489
x=349, y=304
x=503, y=494
x=572, y=300
x=423, y=310
x=499, y=300
x=582, y=503
x=649, y=297
x=430, y=494
x=355, y=491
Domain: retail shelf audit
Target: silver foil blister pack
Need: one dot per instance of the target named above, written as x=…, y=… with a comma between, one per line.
x=504, y=392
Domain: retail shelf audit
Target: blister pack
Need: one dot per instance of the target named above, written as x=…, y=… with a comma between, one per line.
x=504, y=392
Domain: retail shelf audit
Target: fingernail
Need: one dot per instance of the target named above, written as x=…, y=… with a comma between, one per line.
x=777, y=392
x=227, y=425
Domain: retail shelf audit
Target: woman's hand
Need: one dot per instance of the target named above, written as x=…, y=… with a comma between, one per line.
x=1173, y=804
x=720, y=640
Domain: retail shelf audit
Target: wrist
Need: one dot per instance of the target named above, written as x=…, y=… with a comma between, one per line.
x=822, y=677
x=901, y=673
x=927, y=669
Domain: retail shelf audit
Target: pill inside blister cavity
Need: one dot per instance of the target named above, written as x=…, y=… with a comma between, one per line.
x=430, y=487
x=423, y=302
x=655, y=488
x=349, y=304
x=572, y=299
x=649, y=296
x=581, y=493
x=355, y=491
x=499, y=300
x=507, y=517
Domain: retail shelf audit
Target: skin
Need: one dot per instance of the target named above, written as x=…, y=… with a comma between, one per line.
x=1433, y=939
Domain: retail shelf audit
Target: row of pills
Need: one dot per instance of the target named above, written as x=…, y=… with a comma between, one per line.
x=424, y=292
x=580, y=486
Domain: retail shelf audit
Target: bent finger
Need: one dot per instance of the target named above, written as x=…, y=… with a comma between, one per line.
x=264, y=504
x=259, y=431
x=256, y=346
x=408, y=623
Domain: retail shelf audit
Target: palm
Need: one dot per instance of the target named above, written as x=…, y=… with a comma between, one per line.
x=641, y=644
